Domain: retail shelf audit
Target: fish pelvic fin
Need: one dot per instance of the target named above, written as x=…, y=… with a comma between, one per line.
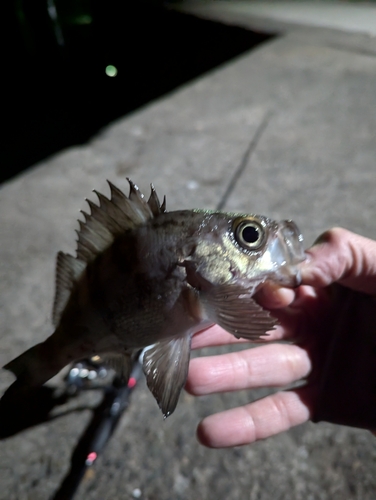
x=233, y=308
x=165, y=365
x=112, y=217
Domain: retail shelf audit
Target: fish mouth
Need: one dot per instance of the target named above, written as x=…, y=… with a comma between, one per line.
x=287, y=252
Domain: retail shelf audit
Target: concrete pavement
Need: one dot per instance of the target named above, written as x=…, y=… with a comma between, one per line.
x=347, y=17
x=313, y=161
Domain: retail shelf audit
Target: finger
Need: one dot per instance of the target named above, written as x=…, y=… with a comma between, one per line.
x=248, y=369
x=298, y=318
x=259, y=420
x=216, y=336
x=290, y=318
x=340, y=255
x=273, y=296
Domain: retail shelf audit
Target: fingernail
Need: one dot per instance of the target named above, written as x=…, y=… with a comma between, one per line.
x=323, y=238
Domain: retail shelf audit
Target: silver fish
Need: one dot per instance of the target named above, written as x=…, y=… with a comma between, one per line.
x=143, y=276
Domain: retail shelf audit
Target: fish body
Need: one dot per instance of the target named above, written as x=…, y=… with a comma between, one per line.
x=144, y=277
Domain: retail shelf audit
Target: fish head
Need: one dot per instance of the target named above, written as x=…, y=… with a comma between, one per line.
x=245, y=249
x=275, y=249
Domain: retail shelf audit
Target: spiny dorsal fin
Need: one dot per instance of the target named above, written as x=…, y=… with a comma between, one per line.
x=68, y=270
x=154, y=203
x=112, y=217
x=104, y=223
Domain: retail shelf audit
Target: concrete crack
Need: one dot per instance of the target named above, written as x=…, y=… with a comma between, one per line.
x=244, y=161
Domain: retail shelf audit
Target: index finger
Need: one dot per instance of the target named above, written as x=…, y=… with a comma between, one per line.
x=341, y=256
x=216, y=336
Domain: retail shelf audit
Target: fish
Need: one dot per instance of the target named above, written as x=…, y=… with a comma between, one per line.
x=146, y=278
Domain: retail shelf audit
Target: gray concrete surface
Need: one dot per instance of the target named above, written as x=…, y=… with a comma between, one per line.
x=314, y=162
x=351, y=17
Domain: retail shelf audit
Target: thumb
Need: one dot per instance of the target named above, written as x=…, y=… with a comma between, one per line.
x=339, y=255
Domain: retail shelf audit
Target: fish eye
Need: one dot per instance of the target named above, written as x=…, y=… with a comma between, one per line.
x=249, y=234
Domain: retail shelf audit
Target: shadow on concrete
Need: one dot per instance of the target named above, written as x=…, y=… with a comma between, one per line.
x=24, y=407
x=33, y=408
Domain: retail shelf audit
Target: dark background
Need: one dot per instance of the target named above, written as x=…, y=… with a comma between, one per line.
x=56, y=91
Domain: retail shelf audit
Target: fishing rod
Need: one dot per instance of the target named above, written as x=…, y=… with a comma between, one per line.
x=104, y=421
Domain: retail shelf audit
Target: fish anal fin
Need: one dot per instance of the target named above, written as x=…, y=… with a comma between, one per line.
x=165, y=365
x=121, y=363
x=68, y=271
x=233, y=308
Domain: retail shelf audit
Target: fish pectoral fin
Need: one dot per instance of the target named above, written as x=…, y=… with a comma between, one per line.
x=165, y=365
x=121, y=363
x=233, y=308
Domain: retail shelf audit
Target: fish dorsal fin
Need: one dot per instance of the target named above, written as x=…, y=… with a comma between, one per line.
x=97, y=232
x=154, y=204
x=233, y=308
x=68, y=270
x=112, y=217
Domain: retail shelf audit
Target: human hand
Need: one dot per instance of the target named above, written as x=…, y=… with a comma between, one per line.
x=331, y=320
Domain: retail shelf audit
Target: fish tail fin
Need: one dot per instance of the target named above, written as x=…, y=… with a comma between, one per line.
x=22, y=366
x=36, y=365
